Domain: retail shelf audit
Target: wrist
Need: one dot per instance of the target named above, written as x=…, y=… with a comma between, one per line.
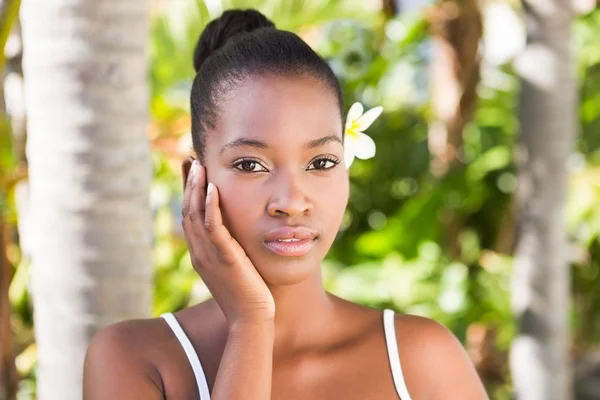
x=254, y=324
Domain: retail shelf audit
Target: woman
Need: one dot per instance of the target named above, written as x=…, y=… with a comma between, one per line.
x=262, y=205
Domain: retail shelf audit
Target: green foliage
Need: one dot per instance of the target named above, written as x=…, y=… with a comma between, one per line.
x=9, y=14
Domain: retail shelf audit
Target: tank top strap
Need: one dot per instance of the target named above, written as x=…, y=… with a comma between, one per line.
x=394, y=357
x=190, y=353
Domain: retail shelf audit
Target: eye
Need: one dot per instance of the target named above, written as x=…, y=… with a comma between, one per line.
x=323, y=163
x=249, y=166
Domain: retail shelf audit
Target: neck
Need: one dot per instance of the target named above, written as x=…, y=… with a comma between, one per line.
x=302, y=314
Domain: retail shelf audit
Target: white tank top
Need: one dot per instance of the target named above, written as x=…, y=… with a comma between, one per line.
x=390, y=339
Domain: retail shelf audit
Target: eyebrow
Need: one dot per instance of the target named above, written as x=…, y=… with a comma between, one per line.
x=323, y=141
x=245, y=142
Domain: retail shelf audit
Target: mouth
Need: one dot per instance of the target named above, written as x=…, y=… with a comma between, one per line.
x=291, y=247
x=291, y=241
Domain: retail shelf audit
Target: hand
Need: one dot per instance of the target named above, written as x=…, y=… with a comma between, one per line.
x=222, y=263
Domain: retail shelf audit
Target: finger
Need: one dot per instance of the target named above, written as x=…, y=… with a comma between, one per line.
x=213, y=222
x=197, y=189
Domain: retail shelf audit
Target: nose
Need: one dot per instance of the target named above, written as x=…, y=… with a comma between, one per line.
x=289, y=198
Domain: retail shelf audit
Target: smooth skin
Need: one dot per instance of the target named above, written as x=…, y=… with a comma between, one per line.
x=274, y=158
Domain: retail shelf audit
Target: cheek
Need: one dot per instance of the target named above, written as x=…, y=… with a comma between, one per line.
x=333, y=199
x=241, y=204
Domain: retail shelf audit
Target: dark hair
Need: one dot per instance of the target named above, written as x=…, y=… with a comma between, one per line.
x=236, y=45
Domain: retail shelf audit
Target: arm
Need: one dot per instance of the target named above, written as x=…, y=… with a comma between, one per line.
x=112, y=370
x=246, y=367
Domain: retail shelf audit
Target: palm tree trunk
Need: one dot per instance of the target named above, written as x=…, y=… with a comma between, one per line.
x=85, y=66
x=456, y=27
x=540, y=291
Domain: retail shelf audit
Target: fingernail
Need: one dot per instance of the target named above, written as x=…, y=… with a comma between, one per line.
x=210, y=188
x=194, y=169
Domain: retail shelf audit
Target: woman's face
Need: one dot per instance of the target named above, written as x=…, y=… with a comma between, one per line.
x=276, y=157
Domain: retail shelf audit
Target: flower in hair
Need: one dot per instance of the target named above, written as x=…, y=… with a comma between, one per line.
x=356, y=142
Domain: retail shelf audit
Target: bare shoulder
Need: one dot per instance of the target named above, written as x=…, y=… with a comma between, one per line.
x=425, y=334
x=131, y=338
x=434, y=361
x=143, y=359
x=119, y=361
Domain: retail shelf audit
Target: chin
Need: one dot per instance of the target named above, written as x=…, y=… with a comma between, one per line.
x=286, y=271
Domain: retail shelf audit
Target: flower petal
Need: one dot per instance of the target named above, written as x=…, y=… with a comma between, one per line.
x=365, y=147
x=348, y=157
x=351, y=143
x=365, y=121
x=354, y=114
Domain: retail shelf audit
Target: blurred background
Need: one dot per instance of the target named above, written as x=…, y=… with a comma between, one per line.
x=481, y=208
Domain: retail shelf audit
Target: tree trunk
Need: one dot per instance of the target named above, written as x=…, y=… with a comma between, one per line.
x=456, y=27
x=85, y=66
x=540, y=291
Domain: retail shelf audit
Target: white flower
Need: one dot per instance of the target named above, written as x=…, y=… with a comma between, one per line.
x=356, y=143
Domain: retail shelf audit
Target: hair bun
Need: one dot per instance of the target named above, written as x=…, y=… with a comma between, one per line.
x=220, y=30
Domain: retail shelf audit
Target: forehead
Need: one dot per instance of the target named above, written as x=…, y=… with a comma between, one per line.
x=290, y=109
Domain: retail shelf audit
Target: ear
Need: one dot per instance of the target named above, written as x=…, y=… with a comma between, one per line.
x=186, y=164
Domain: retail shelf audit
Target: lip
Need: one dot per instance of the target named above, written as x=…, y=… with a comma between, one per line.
x=290, y=241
